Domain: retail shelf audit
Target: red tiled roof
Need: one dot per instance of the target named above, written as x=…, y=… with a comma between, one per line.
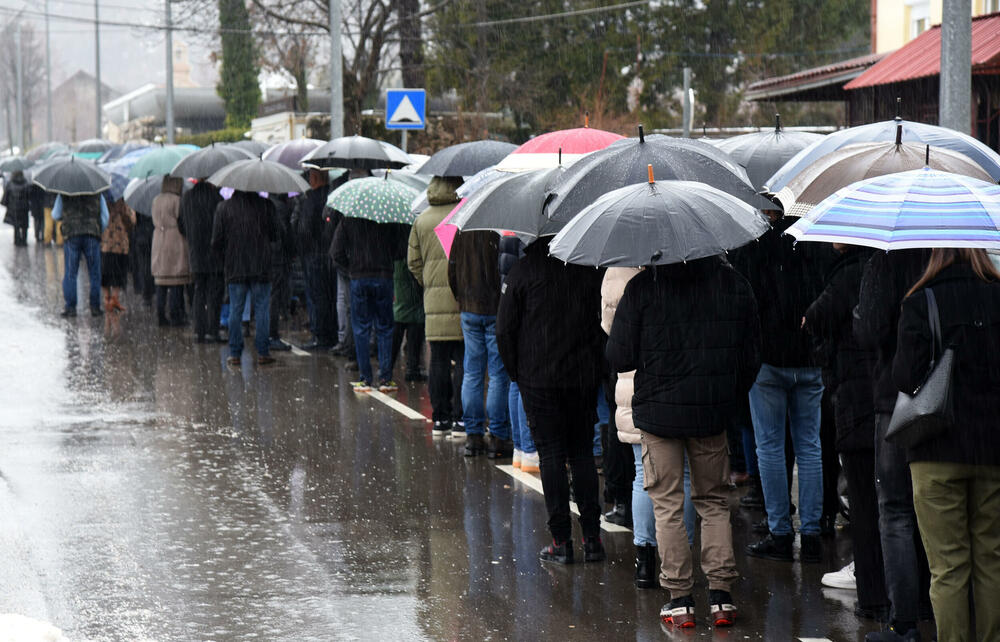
x=827, y=74
x=921, y=57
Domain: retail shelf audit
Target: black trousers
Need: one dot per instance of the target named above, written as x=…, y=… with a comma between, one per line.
x=562, y=425
x=445, y=380
x=869, y=570
x=619, y=460
x=206, y=305
x=143, y=275
x=281, y=297
x=831, y=462
x=321, y=279
x=175, y=294
x=21, y=234
x=414, y=333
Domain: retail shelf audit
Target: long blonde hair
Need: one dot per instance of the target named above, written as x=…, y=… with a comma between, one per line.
x=942, y=257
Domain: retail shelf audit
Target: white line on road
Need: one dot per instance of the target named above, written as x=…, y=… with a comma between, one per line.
x=297, y=351
x=535, y=484
x=398, y=406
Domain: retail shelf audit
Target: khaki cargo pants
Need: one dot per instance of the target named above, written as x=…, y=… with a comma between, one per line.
x=663, y=470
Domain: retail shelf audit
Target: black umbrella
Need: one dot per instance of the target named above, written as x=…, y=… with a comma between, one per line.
x=72, y=177
x=256, y=148
x=256, y=175
x=658, y=223
x=208, y=160
x=513, y=204
x=466, y=159
x=290, y=153
x=624, y=162
x=763, y=153
x=140, y=192
x=356, y=152
x=46, y=150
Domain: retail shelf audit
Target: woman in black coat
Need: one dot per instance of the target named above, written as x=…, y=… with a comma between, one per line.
x=16, y=198
x=956, y=475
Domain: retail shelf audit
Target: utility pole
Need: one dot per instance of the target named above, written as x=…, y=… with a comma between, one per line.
x=97, y=63
x=19, y=94
x=336, y=74
x=956, y=66
x=687, y=102
x=48, y=78
x=170, y=75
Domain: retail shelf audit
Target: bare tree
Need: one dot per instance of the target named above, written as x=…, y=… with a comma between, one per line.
x=32, y=79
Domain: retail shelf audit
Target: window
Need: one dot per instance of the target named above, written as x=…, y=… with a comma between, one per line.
x=920, y=17
x=991, y=6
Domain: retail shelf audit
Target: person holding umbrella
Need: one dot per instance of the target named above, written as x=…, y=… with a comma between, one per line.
x=197, y=215
x=170, y=258
x=17, y=200
x=314, y=238
x=114, y=254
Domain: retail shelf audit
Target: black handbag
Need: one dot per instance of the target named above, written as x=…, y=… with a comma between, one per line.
x=929, y=411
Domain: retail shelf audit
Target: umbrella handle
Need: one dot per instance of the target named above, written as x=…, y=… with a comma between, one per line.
x=586, y=119
x=649, y=168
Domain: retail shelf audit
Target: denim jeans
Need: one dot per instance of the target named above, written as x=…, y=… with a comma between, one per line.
x=343, y=308
x=89, y=247
x=481, y=354
x=643, y=520
x=261, y=296
x=603, y=417
x=907, y=577
x=794, y=393
x=519, y=421
x=371, y=306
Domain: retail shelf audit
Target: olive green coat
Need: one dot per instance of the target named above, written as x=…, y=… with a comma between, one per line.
x=429, y=265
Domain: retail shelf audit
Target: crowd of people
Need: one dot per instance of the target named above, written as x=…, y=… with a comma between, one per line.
x=733, y=369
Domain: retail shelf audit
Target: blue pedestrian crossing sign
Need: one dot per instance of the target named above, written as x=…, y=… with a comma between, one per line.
x=405, y=108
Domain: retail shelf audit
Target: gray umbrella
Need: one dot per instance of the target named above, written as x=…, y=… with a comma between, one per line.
x=290, y=152
x=72, y=177
x=256, y=175
x=357, y=152
x=466, y=159
x=407, y=177
x=256, y=148
x=657, y=224
x=15, y=164
x=512, y=204
x=624, y=162
x=208, y=160
x=140, y=192
x=763, y=153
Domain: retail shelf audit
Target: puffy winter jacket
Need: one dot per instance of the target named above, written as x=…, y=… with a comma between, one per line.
x=692, y=334
x=429, y=264
x=612, y=289
x=171, y=263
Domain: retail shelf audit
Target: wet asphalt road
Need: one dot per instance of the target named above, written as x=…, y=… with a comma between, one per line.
x=147, y=492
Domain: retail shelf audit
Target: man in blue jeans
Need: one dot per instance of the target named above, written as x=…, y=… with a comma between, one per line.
x=366, y=250
x=789, y=388
x=83, y=221
x=475, y=281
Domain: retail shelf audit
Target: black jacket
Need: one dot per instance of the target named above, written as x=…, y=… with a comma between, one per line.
x=785, y=278
x=847, y=366
x=309, y=221
x=473, y=272
x=283, y=246
x=366, y=249
x=244, y=229
x=887, y=278
x=195, y=222
x=970, y=322
x=511, y=250
x=692, y=334
x=548, y=322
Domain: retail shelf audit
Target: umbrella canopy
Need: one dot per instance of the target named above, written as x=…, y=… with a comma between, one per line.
x=119, y=151
x=919, y=208
x=763, y=153
x=208, y=160
x=93, y=145
x=256, y=175
x=160, y=161
x=356, y=152
x=15, y=164
x=466, y=159
x=407, y=177
x=658, y=223
x=46, y=150
x=290, y=153
x=562, y=147
x=140, y=192
x=253, y=147
x=867, y=160
x=478, y=180
x=374, y=199
x=931, y=135
x=514, y=203
x=72, y=177
x=625, y=162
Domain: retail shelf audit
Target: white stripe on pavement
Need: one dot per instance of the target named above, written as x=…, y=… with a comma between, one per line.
x=535, y=484
x=398, y=406
x=815, y=640
x=295, y=349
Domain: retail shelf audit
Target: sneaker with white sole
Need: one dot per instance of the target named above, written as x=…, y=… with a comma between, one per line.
x=441, y=429
x=679, y=612
x=842, y=579
x=361, y=386
x=516, y=461
x=529, y=463
x=388, y=386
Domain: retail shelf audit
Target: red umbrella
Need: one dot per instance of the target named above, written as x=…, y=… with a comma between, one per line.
x=564, y=147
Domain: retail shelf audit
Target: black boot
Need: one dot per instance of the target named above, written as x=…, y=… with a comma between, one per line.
x=593, y=549
x=754, y=498
x=620, y=514
x=475, y=445
x=772, y=547
x=811, y=548
x=646, y=569
x=497, y=448
x=558, y=552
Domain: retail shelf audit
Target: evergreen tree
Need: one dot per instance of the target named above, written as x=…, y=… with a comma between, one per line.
x=238, y=86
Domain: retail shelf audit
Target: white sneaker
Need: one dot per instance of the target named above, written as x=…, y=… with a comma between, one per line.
x=842, y=579
x=516, y=463
x=529, y=463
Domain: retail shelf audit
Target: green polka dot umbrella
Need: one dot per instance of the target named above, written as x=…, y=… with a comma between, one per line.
x=375, y=199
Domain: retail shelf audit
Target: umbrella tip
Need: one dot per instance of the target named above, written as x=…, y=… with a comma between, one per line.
x=586, y=119
x=777, y=122
x=649, y=168
x=642, y=134
x=899, y=133
x=927, y=156
x=560, y=156
x=899, y=101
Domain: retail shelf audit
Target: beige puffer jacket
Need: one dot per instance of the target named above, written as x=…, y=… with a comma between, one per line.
x=615, y=280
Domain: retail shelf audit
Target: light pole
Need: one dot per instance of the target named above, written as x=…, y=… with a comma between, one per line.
x=48, y=78
x=336, y=74
x=97, y=63
x=956, y=66
x=170, y=75
x=19, y=94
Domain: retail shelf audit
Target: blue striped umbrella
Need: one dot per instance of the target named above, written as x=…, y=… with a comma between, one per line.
x=919, y=208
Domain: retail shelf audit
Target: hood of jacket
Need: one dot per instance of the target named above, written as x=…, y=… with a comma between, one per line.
x=172, y=185
x=441, y=190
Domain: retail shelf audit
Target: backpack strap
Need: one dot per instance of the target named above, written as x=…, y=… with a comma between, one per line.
x=934, y=320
